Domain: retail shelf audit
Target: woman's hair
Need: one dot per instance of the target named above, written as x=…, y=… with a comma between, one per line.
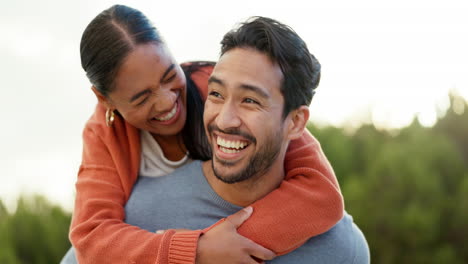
x=105, y=43
x=109, y=38
x=193, y=134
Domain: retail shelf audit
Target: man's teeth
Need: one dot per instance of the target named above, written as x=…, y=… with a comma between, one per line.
x=227, y=145
x=226, y=150
x=169, y=115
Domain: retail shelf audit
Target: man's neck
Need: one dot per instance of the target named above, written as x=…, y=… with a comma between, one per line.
x=246, y=192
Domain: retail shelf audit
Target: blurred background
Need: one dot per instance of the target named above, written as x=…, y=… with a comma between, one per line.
x=391, y=113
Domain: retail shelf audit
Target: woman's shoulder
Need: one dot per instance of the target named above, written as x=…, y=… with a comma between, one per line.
x=96, y=126
x=97, y=121
x=200, y=67
x=121, y=141
x=199, y=72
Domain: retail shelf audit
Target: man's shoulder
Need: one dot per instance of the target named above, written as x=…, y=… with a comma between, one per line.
x=344, y=243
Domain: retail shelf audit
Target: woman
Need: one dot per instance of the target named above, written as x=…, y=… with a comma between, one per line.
x=149, y=122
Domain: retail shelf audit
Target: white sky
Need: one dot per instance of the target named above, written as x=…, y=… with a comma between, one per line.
x=382, y=62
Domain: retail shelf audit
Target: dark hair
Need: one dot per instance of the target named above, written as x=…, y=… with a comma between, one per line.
x=108, y=39
x=301, y=70
x=105, y=43
x=193, y=134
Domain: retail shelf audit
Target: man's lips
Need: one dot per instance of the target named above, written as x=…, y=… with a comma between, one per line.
x=231, y=134
x=230, y=144
x=230, y=147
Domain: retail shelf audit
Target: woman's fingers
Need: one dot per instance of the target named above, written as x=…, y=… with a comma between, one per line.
x=258, y=251
x=222, y=243
x=239, y=218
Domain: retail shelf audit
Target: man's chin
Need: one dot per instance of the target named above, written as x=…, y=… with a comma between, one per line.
x=227, y=180
x=227, y=174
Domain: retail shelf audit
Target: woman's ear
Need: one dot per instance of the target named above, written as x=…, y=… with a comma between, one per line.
x=298, y=121
x=101, y=98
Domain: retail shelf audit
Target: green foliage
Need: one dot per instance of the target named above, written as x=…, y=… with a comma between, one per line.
x=36, y=233
x=407, y=192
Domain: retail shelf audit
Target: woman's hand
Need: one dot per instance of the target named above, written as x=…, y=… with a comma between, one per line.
x=222, y=243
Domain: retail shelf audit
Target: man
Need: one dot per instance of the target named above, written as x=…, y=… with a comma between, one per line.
x=257, y=103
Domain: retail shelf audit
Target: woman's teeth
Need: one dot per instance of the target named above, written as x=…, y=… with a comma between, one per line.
x=169, y=115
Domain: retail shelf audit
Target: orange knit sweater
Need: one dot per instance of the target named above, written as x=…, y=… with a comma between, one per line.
x=307, y=203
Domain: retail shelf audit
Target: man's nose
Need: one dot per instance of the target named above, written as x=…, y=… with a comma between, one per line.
x=228, y=117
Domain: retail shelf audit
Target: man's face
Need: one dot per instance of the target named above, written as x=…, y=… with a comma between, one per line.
x=243, y=115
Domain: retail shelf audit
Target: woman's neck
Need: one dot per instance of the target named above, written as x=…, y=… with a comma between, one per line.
x=172, y=146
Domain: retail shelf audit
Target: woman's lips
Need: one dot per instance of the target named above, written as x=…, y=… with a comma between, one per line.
x=168, y=115
x=171, y=117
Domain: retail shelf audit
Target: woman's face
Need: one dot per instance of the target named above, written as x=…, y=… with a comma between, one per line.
x=150, y=91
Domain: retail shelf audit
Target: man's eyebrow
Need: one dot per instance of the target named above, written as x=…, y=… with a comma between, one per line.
x=255, y=89
x=213, y=79
x=146, y=91
x=247, y=87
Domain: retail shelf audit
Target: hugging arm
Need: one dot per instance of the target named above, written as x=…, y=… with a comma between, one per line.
x=98, y=231
x=307, y=203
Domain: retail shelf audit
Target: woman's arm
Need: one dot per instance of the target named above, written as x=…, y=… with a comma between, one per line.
x=307, y=203
x=98, y=231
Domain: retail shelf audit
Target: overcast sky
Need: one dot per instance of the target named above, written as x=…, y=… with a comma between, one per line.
x=382, y=62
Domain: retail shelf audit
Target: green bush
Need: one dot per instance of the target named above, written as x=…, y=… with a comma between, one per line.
x=36, y=233
x=408, y=192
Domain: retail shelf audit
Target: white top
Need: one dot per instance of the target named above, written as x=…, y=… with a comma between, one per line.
x=153, y=162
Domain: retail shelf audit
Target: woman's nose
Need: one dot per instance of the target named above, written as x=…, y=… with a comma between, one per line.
x=165, y=98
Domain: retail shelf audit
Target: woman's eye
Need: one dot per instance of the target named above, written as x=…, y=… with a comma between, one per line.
x=142, y=102
x=170, y=78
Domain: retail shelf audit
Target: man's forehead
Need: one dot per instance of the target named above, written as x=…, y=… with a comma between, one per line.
x=247, y=66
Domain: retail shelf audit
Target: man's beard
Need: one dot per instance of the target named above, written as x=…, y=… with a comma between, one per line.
x=258, y=165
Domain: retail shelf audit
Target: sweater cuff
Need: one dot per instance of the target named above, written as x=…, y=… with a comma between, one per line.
x=212, y=226
x=183, y=247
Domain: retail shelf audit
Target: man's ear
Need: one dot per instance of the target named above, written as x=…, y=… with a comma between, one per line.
x=297, y=122
x=101, y=98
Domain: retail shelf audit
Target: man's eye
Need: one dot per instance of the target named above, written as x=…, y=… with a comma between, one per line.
x=250, y=101
x=215, y=94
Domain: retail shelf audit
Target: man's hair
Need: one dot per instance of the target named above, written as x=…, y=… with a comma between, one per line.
x=301, y=70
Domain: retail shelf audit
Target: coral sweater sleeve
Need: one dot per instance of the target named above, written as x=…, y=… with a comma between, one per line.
x=105, y=180
x=307, y=203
